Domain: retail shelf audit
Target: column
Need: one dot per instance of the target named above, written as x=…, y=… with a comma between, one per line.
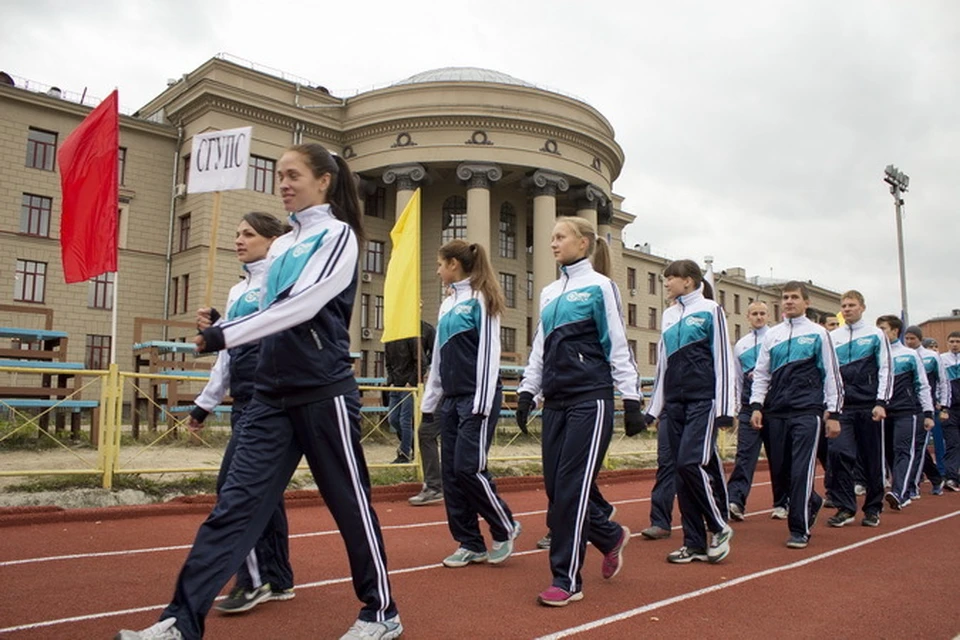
x=588, y=199
x=478, y=177
x=407, y=177
x=544, y=186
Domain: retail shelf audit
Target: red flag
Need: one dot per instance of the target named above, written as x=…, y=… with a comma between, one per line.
x=88, y=178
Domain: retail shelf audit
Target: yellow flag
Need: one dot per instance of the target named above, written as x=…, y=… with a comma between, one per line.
x=401, y=291
x=840, y=318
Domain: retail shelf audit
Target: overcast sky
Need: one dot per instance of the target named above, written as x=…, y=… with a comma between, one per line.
x=754, y=131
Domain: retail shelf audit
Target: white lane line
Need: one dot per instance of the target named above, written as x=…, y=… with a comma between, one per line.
x=625, y=615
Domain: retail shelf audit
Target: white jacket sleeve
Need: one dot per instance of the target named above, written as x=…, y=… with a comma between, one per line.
x=218, y=385
x=656, y=398
x=885, y=376
x=328, y=273
x=623, y=367
x=433, y=389
x=944, y=392
x=533, y=373
x=725, y=369
x=761, y=372
x=926, y=396
x=488, y=361
x=832, y=382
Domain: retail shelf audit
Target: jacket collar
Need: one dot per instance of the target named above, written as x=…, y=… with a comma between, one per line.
x=253, y=270
x=689, y=298
x=311, y=216
x=580, y=267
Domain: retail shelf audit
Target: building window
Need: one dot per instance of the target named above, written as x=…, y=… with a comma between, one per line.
x=379, y=370
x=736, y=332
x=508, y=340
x=260, y=174
x=652, y=353
x=776, y=313
x=41, y=149
x=529, y=285
x=378, y=312
x=100, y=293
x=30, y=281
x=632, y=315
x=373, y=261
x=722, y=301
x=374, y=204
x=652, y=283
x=736, y=303
x=529, y=331
x=364, y=363
x=652, y=318
x=174, y=295
x=508, y=282
x=35, y=215
x=364, y=310
x=508, y=231
x=97, y=353
x=185, y=279
x=121, y=165
x=186, y=169
x=454, y=219
x=632, y=344
x=184, y=232
x=631, y=278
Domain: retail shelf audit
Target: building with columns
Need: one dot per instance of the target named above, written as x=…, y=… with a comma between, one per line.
x=497, y=159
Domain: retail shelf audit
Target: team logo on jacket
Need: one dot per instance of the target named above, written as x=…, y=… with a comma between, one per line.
x=301, y=249
x=806, y=340
x=252, y=296
x=462, y=309
x=578, y=296
x=695, y=321
x=862, y=342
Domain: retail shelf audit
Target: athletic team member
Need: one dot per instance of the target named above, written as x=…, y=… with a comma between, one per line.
x=579, y=354
x=664, y=490
x=464, y=387
x=694, y=394
x=745, y=351
x=795, y=380
x=910, y=410
x=951, y=424
x=266, y=574
x=305, y=403
x=940, y=391
x=863, y=354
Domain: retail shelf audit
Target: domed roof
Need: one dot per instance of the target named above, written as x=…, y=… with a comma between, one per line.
x=464, y=74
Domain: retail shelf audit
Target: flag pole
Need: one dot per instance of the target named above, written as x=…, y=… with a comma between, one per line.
x=212, y=255
x=113, y=316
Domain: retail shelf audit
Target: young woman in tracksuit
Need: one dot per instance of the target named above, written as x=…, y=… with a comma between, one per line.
x=464, y=386
x=910, y=409
x=694, y=394
x=579, y=354
x=305, y=403
x=266, y=574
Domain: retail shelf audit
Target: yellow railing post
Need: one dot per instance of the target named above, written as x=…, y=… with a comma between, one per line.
x=110, y=415
x=417, y=399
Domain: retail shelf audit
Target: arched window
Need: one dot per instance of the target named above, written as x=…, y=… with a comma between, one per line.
x=454, y=219
x=508, y=231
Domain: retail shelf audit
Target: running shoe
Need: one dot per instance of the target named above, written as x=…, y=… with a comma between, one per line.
x=841, y=518
x=370, y=630
x=240, y=600
x=462, y=557
x=613, y=561
x=684, y=555
x=166, y=629
x=557, y=597
x=736, y=511
x=720, y=545
x=500, y=551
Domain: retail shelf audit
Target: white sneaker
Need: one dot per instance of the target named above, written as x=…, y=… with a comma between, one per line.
x=859, y=489
x=780, y=513
x=386, y=630
x=164, y=630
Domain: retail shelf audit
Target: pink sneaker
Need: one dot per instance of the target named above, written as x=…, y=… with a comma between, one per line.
x=613, y=561
x=557, y=597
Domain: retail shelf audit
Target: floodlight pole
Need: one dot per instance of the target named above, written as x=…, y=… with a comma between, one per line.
x=898, y=182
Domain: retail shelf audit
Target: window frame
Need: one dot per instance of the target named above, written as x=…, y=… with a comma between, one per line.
x=31, y=205
x=37, y=279
x=46, y=149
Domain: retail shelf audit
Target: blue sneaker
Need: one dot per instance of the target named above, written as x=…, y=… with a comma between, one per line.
x=462, y=557
x=500, y=551
x=937, y=489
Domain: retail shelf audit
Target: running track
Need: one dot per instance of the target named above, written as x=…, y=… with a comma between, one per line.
x=85, y=578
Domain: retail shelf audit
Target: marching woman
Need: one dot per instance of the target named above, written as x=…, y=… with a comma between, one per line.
x=464, y=387
x=266, y=575
x=305, y=403
x=694, y=394
x=580, y=353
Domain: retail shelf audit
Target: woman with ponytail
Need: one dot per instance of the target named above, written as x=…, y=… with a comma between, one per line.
x=305, y=404
x=580, y=354
x=464, y=388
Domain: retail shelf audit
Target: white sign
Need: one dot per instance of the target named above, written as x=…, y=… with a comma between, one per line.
x=219, y=159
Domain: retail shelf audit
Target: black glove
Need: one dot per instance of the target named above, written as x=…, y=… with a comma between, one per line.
x=214, y=315
x=723, y=422
x=633, y=422
x=426, y=417
x=524, y=406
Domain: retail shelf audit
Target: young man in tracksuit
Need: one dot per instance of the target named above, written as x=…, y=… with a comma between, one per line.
x=795, y=381
x=863, y=353
x=951, y=425
x=910, y=409
x=940, y=389
x=745, y=351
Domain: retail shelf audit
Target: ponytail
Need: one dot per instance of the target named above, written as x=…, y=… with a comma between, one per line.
x=342, y=197
x=707, y=290
x=602, y=263
x=475, y=263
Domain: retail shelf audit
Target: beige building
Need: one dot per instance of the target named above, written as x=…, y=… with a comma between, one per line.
x=497, y=160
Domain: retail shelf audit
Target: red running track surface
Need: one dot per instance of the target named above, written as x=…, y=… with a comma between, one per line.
x=88, y=578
